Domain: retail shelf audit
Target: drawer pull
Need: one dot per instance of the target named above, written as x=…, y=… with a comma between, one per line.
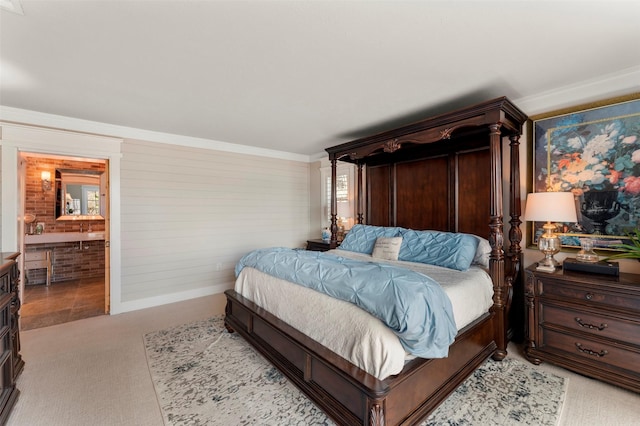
x=588, y=296
x=591, y=352
x=590, y=326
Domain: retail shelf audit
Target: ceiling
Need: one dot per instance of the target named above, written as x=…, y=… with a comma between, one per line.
x=301, y=76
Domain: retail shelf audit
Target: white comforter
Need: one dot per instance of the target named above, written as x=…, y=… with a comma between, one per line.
x=350, y=331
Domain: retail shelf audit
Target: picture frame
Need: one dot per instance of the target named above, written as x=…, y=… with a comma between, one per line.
x=592, y=150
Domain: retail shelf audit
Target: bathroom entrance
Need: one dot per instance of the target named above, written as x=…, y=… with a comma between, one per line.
x=65, y=239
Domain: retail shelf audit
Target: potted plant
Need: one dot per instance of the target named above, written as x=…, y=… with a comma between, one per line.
x=628, y=251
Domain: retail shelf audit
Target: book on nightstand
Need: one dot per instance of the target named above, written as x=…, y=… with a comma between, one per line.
x=600, y=267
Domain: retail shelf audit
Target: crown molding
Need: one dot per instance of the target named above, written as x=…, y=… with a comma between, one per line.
x=40, y=119
x=620, y=83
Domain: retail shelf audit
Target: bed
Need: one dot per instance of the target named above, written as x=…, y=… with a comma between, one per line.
x=443, y=174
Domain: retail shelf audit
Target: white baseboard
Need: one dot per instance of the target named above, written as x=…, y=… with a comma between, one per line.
x=164, y=299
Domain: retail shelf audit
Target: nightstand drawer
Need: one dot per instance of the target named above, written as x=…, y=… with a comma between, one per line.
x=591, y=322
x=590, y=295
x=592, y=350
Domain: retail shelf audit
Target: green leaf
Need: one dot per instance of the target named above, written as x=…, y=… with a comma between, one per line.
x=629, y=251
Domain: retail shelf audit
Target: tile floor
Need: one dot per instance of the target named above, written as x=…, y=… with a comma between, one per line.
x=61, y=302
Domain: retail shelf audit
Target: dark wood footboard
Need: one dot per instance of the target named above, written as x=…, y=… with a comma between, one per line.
x=347, y=394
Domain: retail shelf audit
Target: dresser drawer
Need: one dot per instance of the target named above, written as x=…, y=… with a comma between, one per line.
x=590, y=295
x=602, y=354
x=593, y=322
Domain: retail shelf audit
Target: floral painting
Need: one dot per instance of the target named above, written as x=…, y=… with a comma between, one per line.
x=595, y=154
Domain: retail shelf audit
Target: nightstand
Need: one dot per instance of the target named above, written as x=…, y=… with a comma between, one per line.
x=318, y=245
x=587, y=323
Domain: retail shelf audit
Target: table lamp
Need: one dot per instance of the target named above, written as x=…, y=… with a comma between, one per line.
x=550, y=207
x=344, y=214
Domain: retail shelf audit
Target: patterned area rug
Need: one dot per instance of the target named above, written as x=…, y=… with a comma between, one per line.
x=205, y=376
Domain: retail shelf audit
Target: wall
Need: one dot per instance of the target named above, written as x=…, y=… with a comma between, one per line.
x=1, y=210
x=181, y=216
x=189, y=214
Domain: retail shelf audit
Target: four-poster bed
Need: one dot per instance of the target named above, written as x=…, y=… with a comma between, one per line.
x=443, y=174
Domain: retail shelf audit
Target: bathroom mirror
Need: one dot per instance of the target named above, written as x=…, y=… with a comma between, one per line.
x=79, y=194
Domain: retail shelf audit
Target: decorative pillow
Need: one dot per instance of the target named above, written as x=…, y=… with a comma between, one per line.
x=446, y=249
x=387, y=248
x=482, y=252
x=362, y=238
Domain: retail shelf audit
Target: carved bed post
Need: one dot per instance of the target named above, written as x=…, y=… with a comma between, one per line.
x=334, y=204
x=515, y=237
x=359, y=207
x=515, y=234
x=376, y=414
x=496, y=238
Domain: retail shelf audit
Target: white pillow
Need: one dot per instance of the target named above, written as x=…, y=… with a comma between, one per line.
x=387, y=248
x=482, y=252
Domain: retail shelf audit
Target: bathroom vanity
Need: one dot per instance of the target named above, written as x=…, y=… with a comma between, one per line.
x=63, y=256
x=11, y=363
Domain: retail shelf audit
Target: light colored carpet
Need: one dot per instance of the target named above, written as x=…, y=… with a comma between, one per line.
x=206, y=376
x=94, y=372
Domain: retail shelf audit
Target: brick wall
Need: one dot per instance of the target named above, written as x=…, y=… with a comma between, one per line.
x=43, y=203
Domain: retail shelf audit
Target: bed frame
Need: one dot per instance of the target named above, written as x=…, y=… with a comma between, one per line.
x=443, y=173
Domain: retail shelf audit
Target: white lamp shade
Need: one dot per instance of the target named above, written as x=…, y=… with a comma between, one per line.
x=344, y=209
x=550, y=206
x=45, y=175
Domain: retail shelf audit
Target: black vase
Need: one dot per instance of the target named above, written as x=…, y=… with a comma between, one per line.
x=600, y=206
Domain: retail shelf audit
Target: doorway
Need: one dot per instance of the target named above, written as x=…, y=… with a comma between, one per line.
x=66, y=258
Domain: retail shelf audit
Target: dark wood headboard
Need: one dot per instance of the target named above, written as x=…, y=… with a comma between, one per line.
x=441, y=192
x=445, y=173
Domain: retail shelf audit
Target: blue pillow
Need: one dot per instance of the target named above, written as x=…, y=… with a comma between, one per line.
x=362, y=238
x=446, y=249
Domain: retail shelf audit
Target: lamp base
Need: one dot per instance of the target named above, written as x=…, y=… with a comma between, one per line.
x=548, y=264
x=545, y=268
x=549, y=244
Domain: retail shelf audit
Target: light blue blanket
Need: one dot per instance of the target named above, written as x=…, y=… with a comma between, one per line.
x=411, y=304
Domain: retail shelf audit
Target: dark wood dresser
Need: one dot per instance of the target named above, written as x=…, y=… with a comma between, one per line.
x=587, y=323
x=11, y=363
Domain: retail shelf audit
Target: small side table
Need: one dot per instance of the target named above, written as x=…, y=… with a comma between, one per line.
x=319, y=245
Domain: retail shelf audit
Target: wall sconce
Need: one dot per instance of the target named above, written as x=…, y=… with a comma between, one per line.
x=550, y=207
x=46, y=180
